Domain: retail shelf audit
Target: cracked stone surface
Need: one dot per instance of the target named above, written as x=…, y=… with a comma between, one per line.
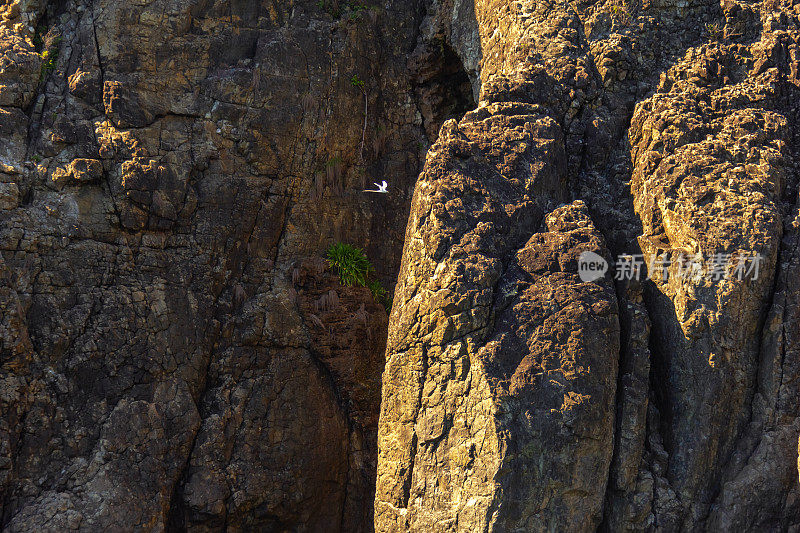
x=516, y=397
x=175, y=354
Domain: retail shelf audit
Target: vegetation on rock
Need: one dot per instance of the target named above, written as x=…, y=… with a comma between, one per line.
x=49, y=58
x=354, y=268
x=350, y=263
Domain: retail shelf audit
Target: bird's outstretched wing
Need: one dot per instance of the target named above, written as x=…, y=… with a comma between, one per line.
x=381, y=187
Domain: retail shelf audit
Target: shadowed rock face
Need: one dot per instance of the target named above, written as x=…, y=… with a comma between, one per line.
x=175, y=355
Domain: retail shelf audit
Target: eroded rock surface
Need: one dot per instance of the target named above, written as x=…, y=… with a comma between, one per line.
x=166, y=171
x=174, y=354
x=675, y=123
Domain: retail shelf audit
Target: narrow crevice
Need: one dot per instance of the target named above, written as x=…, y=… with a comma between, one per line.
x=622, y=358
x=442, y=86
x=659, y=366
x=406, y=489
x=175, y=515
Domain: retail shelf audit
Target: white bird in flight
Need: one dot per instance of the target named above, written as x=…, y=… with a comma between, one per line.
x=381, y=188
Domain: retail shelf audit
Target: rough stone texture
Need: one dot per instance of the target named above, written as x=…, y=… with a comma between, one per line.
x=712, y=156
x=174, y=354
x=495, y=380
x=171, y=174
x=675, y=122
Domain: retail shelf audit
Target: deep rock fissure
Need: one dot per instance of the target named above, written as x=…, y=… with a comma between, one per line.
x=442, y=86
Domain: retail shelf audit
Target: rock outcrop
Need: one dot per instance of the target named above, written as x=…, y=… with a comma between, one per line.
x=175, y=354
x=669, y=130
x=171, y=174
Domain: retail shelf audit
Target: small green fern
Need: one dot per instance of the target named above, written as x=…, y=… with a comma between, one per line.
x=378, y=291
x=350, y=263
x=355, y=81
x=354, y=268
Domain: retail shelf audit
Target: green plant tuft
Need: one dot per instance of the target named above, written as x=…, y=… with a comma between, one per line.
x=355, y=10
x=355, y=81
x=378, y=291
x=715, y=31
x=49, y=60
x=380, y=294
x=620, y=14
x=350, y=263
x=354, y=268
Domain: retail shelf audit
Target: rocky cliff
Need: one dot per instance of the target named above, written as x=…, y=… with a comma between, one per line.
x=176, y=355
x=518, y=397
x=174, y=352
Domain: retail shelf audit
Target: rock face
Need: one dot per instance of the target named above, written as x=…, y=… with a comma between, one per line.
x=175, y=355
x=513, y=423
x=668, y=129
